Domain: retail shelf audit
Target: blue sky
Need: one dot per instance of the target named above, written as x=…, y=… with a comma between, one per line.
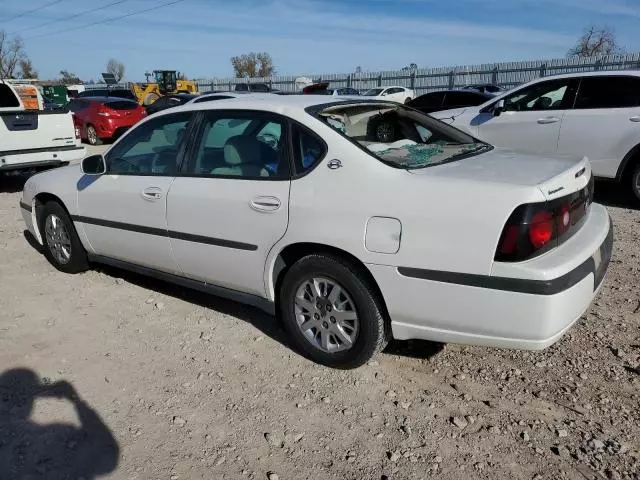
x=306, y=36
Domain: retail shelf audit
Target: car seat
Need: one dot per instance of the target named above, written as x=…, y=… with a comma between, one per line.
x=242, y=158
x=543, y=103
x=166, y=159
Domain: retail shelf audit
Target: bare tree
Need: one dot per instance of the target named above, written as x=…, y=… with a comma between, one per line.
x=358, y=69
x=68, y=77
x=11, y=54
x=253, y=65
x=27, y=70
x=596, y=41
x=411, y=66
x=116, y=68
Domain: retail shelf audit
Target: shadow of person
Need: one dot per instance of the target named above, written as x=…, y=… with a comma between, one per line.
x=50, y=451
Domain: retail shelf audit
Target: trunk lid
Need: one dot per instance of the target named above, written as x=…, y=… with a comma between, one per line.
x=556, y=176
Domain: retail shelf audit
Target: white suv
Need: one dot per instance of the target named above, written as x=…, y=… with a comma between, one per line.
x=592, y=114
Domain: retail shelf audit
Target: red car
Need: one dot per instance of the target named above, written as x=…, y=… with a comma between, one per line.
x=97, y=119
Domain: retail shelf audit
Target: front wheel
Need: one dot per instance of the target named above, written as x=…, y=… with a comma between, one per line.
x=407, y=100
x=62, y=247
x=332, y=313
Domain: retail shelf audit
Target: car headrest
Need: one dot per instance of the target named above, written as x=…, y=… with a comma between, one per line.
x=241, y=149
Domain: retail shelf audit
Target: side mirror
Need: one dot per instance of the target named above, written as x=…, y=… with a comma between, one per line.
x=94, y=165
x=384, y=94
x=498, y=108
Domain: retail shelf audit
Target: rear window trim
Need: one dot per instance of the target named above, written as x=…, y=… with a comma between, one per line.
x=315, y=110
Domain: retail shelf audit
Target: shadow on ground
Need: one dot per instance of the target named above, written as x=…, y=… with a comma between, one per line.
x=57, y=451
x=267, y=324
x=12, y=183
x=613, y=194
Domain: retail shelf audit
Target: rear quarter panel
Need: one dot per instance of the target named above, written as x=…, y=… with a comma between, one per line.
x=447, y=224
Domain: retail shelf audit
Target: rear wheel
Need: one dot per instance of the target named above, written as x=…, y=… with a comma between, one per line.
x=92, y=136
x=62, y=247
x=635, y=181
x=333, y=315
x=407, y=100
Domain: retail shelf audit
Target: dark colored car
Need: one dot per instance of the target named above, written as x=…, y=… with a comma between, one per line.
x=169, y=101
x=108, y=92
x=97, y=119
x=484, y=88
x=446, y=99
x=254, y=87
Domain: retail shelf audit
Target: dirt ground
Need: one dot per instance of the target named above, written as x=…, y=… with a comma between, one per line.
x=108, y=373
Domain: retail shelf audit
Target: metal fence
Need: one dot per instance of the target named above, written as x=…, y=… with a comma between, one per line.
x=508, y=74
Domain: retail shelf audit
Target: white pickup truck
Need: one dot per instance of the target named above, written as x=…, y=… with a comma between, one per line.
x=34, y=139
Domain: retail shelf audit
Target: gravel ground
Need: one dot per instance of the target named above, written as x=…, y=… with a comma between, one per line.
x=136, y=379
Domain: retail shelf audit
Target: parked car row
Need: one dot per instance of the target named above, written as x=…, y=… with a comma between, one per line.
x=594, y=114
x=451, y=239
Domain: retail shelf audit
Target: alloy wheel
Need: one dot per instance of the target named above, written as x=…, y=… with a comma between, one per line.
x=326, y=315
x=58, y=239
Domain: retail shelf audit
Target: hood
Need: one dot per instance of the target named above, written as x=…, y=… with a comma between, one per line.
x=555, y=176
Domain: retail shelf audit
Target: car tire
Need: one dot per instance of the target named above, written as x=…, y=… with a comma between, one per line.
x=407, y=100
x=635, y=182
x=60, y=241
x=364, y=320
x=92, y=136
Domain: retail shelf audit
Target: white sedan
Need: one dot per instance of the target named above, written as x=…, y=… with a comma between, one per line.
x=294, y=205
x=392, y=94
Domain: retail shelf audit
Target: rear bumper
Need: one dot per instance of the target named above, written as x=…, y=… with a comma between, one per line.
x=40, y=158
x=113, y=128
x=524, y=313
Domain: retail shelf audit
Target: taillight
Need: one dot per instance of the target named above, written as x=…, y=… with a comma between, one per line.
x=541, y=229
x=535, y=228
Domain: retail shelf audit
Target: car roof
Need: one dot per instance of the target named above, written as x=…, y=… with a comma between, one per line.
x=103, y=99
x=602, y=73
x=275, y=103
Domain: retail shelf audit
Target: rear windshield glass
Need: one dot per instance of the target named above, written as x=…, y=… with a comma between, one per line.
x=7, y=98
x=122, y=105
x=374, y=92
x=399, y=136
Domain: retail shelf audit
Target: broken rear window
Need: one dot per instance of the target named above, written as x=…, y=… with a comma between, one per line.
x=400, y=136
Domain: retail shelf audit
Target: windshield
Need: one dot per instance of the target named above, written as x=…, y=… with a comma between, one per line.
x=400, y=136
x=374, y=92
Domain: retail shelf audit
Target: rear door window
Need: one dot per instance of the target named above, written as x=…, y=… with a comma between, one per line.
x=308, y=149
x=244, y=144
x=608, y=92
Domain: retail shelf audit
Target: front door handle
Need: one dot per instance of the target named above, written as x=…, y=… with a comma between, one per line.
x=152, y=193
x=635, y=119
x=265, y=204
x=547, y=120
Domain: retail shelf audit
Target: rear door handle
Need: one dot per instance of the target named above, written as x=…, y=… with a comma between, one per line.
x=265, y=204
x=547, y=120
x=152, y=193
x=635, y=119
